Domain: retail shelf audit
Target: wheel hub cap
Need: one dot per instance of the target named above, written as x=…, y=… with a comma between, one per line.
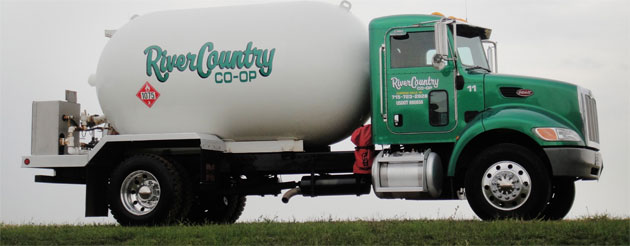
x=140, y=192
x=145, y=192
x=506, y=185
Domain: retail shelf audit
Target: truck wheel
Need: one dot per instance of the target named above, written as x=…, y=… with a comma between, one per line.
x=507, y=181
x=561, y=201
x=146, y=189
x=224, y=209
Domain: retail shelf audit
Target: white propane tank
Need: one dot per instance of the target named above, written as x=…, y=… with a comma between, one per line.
x=244, y=73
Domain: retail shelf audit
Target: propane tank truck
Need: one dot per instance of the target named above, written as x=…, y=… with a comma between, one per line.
x=201, y=115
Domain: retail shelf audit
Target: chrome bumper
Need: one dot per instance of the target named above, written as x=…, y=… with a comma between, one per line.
x=582, y=163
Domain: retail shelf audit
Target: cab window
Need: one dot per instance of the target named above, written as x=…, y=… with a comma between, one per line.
x=411, y=50
x=438, y=108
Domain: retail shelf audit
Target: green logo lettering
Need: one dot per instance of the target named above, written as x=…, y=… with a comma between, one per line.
x=161, y=64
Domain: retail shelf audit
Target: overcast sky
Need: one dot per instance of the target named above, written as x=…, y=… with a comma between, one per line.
x=49, y=46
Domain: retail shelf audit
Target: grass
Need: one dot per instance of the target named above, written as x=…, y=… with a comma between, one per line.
x=589, y=231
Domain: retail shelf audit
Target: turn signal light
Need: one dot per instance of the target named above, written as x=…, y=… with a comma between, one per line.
x=547, y=134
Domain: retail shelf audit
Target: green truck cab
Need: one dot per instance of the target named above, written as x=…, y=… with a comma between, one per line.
x=512, y=145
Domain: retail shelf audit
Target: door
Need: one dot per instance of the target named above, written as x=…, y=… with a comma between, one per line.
x=419, y=98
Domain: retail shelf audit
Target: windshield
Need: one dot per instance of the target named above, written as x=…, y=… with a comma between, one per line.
x=471, y=52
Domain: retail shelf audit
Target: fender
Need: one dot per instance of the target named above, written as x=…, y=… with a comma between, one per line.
x=520, y=118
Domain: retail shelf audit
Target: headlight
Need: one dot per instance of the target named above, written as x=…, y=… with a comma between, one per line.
x=557, y=134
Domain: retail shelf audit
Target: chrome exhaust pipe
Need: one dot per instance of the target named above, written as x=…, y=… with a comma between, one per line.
x=290, y=193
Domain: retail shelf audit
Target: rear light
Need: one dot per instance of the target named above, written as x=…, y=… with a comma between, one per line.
x=27, y=161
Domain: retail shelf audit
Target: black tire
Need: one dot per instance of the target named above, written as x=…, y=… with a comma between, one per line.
x=507, y=181
x=188, y=188
x=153, y=193
x=561, y=201
x=217, y=209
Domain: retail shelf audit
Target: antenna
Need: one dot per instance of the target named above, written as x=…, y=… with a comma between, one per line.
x=466, y=7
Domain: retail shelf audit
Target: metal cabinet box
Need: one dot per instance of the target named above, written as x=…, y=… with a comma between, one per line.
x=48, y=126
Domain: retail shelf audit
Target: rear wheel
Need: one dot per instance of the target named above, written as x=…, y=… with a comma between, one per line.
x=218, y=209
x=208, y=207
x=146, y=189
x=561, y=201
x=507, y=181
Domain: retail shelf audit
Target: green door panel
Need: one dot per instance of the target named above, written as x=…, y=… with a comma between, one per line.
x=418, y=98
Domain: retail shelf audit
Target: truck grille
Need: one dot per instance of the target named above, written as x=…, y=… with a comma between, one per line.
x=588, y=108
x=593, y=128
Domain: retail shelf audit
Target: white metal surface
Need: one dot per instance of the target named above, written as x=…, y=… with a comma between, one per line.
x=264, y=146
x=50, y=161
x=207, y=142
x=317, y=89
x=48, y=126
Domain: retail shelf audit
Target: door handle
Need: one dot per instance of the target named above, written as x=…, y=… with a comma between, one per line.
x=380, y=81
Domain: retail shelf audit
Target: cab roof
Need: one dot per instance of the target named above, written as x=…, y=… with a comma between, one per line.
x=387, y=22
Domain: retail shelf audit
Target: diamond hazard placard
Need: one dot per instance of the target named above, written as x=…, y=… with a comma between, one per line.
x=148, y=95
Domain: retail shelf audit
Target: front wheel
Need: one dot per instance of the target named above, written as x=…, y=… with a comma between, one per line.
x=507, y=181
x=561, y=201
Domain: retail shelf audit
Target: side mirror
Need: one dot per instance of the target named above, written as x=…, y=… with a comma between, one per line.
x=438, y=62
x=441, y=46
x=491, y=54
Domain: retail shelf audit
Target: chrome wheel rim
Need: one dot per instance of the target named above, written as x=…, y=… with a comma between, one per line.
x=506, y=185
x=140, y=192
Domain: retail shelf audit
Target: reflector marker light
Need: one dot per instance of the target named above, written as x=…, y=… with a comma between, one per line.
x=450, y=17
x=459, y=19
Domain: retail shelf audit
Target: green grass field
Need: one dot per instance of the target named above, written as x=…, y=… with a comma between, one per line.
x=592, y=231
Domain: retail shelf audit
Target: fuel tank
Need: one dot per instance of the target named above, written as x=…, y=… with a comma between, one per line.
x=244, y=73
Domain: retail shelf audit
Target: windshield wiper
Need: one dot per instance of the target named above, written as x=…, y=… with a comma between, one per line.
x=468, y=68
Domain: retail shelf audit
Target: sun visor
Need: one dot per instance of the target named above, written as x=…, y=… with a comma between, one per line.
x=468, y=31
